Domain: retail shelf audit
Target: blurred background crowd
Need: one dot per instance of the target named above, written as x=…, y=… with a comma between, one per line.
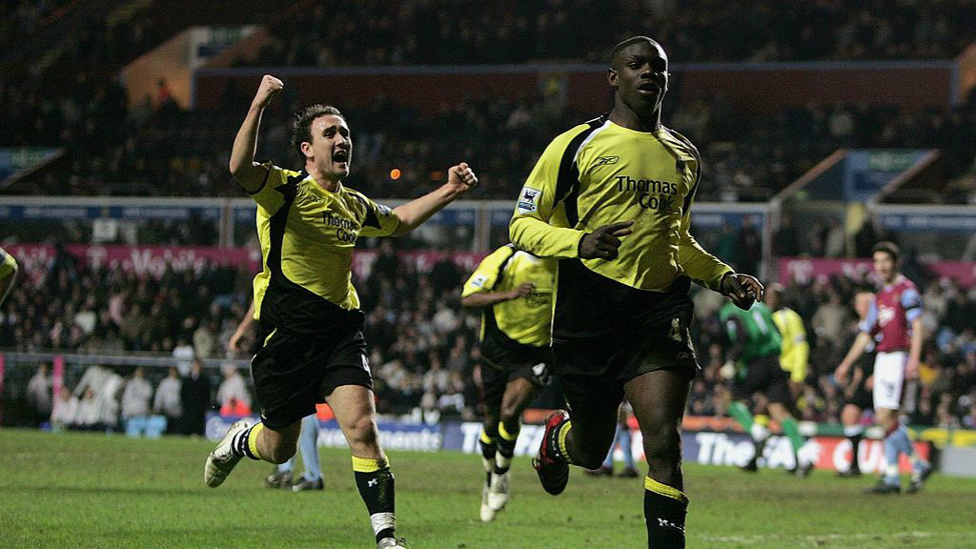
x=424, y=346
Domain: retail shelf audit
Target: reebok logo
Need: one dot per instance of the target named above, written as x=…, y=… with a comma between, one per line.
x=605, y=160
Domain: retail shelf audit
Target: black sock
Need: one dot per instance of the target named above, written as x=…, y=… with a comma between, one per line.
x=664, y=515
x=376, y=489
x=855, y=443
x=489, y=448
x=506, y=449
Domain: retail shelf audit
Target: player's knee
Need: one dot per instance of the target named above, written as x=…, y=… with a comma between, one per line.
x=663, y=444
x=362, y=431
x=510, y=415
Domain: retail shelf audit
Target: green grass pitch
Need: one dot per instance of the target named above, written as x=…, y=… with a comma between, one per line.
x=92, y=490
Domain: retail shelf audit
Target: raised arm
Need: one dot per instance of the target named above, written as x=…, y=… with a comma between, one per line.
x=250, y=175
x=460, y=179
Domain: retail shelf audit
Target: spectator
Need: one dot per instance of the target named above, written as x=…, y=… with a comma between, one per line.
x=195, y=398
x=183, y=353
x=87, y=417
x=787, y=240
x=167, y=401
x=749, y=247
x=64, y=410
x=39, y=395
x=205, y=340
x=233, y=393
x=136, y=396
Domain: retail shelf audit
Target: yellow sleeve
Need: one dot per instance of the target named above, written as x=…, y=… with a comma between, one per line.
x=701, y=266
x=798, y=333
x=8, y=265
x=484, y=278
x=380, y=220
x=783, y=325
x=267, y=198
x=531, y=228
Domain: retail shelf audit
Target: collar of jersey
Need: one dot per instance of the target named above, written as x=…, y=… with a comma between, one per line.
x=656, y=134
x=319, y=188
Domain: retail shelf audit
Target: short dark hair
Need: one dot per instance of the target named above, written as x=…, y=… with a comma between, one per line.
x=301, y=130
x=887, y=247
x=627, y=43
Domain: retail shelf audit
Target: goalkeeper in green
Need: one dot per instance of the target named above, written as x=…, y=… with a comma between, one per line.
x=753, y=365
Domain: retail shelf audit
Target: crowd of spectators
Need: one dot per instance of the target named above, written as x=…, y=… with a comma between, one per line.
x=154, y=148
x=373, y=32
x=423, y=346
x=164, y=150
x=144, y=402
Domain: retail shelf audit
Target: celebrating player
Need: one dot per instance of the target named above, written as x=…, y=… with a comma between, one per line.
x=514, y=292
x=754, y=359
x=311, y=326
x=8, y=274
x=895, y=318
x=611, y=199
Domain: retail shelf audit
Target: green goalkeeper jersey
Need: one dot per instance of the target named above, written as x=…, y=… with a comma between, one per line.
x=752, y=332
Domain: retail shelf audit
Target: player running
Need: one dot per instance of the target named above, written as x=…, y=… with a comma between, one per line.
x=312, y=347
x=754, y=364
x=513, y=289
x=895, y=319
x=611, y=199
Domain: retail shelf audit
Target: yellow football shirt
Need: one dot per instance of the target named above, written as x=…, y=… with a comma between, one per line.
x=796, y=350
x=307, y=235
x=525, y=320
x=600, y=173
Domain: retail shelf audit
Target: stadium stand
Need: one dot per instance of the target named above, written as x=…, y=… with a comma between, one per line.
x=424, y=346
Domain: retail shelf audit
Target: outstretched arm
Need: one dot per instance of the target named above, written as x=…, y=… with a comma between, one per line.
x=250, y=175
x=460, y=179
x=482, y=300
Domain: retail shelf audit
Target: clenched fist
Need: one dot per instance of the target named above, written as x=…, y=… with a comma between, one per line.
x=742, y=289
x=462, y=177
x=270, y=86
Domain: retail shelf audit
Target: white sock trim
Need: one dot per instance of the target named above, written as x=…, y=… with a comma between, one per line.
x=382, y=521
x=758, y=432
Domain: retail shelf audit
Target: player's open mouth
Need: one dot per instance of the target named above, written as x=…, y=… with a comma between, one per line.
x=340, y=157
x=649, y=88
